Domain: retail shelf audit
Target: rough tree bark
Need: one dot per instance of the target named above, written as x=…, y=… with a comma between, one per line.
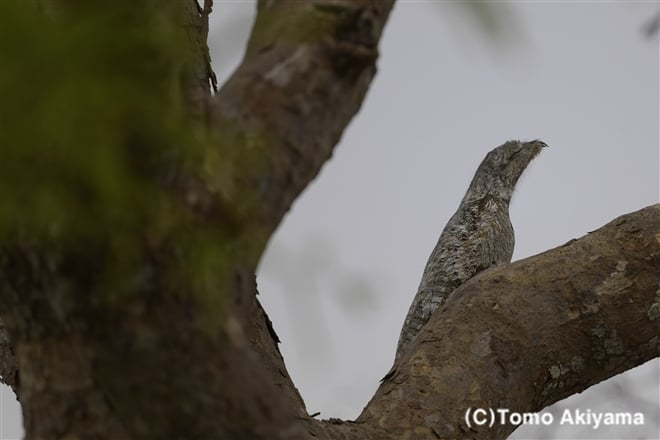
x=520, y=336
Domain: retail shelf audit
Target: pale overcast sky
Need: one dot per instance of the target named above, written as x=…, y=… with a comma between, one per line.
x=342, y=269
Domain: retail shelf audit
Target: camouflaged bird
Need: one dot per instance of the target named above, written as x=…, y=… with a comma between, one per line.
x=478, y=236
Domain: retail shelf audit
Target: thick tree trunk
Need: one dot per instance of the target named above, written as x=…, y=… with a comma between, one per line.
x=162, y=360
x=157, y=361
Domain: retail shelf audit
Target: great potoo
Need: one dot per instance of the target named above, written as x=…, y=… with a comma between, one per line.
x=478, y=236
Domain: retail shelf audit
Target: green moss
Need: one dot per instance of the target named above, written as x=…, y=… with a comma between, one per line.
x=73, y=94
x=90, y=115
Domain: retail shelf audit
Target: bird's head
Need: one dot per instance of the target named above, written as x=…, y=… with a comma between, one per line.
x=500, y=170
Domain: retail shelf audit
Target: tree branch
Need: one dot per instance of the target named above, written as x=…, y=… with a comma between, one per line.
x=307, y=69
x=526, y=335
x=274, y=123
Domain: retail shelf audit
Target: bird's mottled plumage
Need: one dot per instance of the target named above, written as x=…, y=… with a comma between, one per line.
x=478, y=236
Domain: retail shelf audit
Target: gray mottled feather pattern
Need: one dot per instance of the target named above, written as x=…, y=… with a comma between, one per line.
x=478, y=236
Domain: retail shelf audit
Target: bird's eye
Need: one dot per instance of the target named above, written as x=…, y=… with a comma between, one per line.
x=516, y=151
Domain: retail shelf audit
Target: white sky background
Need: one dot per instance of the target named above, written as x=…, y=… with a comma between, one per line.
x=342, y=269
